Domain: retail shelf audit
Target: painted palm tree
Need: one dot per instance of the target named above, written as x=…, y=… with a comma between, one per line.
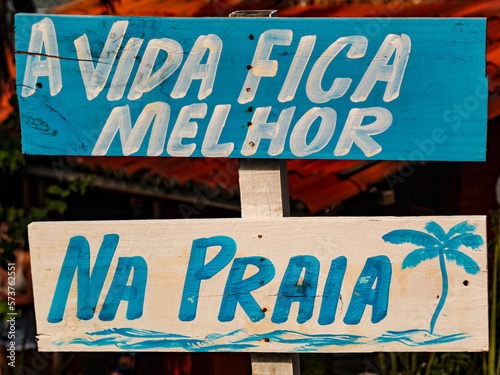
x=437, y=243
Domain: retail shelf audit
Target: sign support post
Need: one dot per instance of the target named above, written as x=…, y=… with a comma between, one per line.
x=264, y=193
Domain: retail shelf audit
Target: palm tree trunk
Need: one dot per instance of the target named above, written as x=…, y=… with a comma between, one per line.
x=444, y=293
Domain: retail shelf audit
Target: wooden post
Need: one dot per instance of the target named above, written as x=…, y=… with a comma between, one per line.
x=263, y=188
x=264, y=193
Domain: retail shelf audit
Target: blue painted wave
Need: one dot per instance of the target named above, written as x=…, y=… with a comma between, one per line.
x=133, y=332
x=137, y=339
x=417, y=337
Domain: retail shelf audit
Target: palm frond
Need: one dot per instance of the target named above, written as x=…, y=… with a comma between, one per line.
x=461, y=228
x=414, y=237
x=434, y=228
x=463, y=260
x=417, y=256
x=474, y=241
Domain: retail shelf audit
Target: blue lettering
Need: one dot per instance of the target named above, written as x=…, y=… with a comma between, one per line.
x=120, y=291
x=89, y=287
x=376, y=268
x=198, y=270
x=238, y=290
x=331, y=293
x=291, y=290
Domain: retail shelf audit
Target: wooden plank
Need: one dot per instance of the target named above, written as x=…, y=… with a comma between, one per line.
x=263, y=188
x=275, y=363
x=338, y=89
x=424, y=280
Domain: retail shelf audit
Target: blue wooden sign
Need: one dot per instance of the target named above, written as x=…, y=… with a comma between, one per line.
x=394, y=89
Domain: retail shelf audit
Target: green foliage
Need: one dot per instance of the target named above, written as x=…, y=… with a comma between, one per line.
x=11, y=161
x=433, y=363
x=17, y=219
x=5, y=309
x=11, y=157
x=314, y=364
x=452, y=363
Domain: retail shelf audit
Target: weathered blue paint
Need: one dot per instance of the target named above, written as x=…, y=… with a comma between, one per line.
x=331, y=293
x=417, y=337
x=299, y=282
x=238, y=290
x=131, y=339
x=435, y=110
x=294, y=289
x=120, y=291
x=89, y=287
x=377, y=269
x=439, y=244
x=137, y=333
x=444, y=293
x=198, y=270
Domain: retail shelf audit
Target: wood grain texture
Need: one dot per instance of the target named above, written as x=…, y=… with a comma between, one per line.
x=263, y=188
x=333, y=72
x=436, y=301
x=275, y=364
x=264, y=193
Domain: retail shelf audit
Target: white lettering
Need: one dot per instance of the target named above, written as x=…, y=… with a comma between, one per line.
x=339, y=87
x=261, y=65
x=261, y=129
x=131, y=139
x=296, y=71
x=210, y=146
x=95, y=79
x=124, y=69
x=355, y=132
x=43, y=33
x=298, y=142
x=144, y=81
x=192, y=68
x=380, y=71
x=183, y=128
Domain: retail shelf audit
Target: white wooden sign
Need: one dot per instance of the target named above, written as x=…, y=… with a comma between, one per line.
x=262, y=285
